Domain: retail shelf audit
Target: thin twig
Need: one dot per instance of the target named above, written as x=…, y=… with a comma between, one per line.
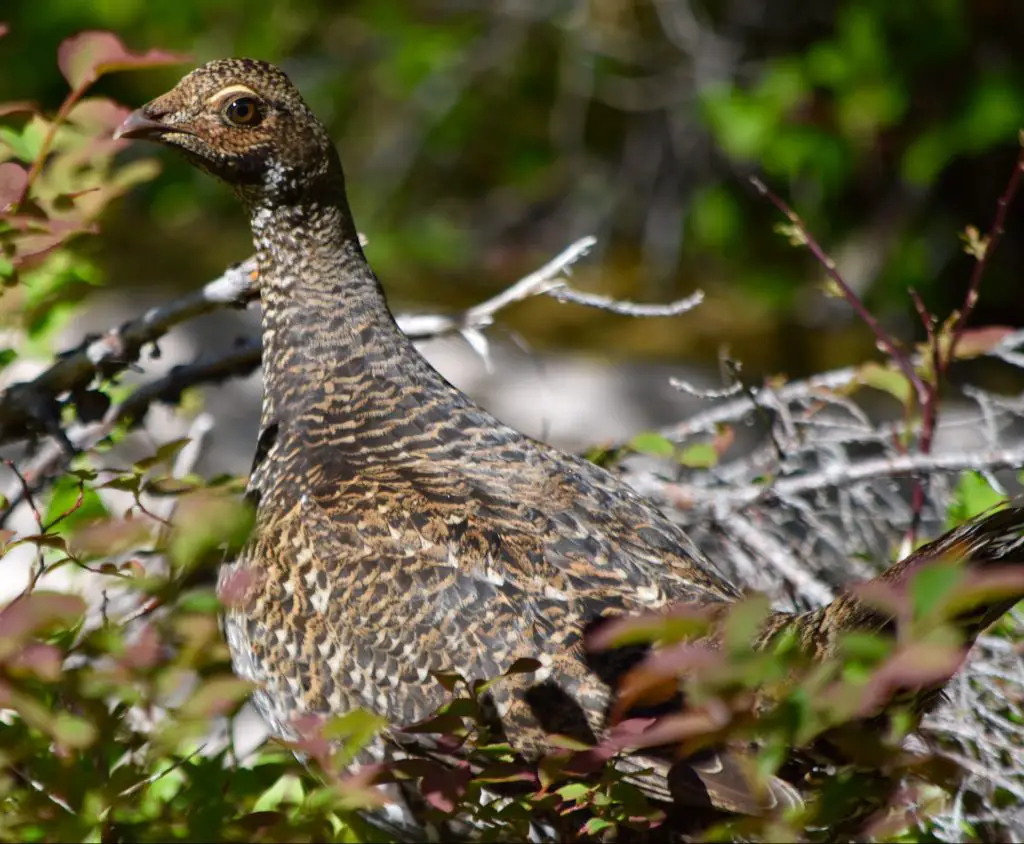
x=888, y=344
x=833, y=477
x=995, y=234
x=23, y=405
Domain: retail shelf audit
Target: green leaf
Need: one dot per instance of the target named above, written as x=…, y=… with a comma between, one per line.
x=699, y=456
x=288, y=789
x=594, y=826
x=72, y=731
x=933, y=585
x=868, y=647
x=972, y=497
x=216, y=696
x=888, y=380
x=27, y=143
x=164, y=454
x=743, y=623
x=65, y=500
x=653, y=444
x=207, y=522
x=575, y=791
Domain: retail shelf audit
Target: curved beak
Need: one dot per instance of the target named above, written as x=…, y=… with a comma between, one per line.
x=138, y=125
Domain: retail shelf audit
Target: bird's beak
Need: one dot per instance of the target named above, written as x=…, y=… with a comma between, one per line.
x=138, y=125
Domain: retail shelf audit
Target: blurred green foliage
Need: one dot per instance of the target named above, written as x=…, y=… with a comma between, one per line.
x=490, y=134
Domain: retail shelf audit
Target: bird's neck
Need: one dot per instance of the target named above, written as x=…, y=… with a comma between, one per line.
x=329, y=340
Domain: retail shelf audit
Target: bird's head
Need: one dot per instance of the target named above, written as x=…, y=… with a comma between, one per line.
x=243, y=121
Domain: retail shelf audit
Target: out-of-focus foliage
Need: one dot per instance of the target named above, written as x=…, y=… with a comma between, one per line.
x=488, y=134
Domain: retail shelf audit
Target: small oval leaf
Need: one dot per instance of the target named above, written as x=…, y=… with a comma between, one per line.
x=13, y=180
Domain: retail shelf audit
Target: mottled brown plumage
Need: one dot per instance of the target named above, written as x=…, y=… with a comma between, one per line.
x=401, y=529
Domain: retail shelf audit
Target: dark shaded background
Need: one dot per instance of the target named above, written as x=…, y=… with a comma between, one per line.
x=481, y=137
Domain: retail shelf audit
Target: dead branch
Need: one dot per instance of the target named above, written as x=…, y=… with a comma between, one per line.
x=33, y=407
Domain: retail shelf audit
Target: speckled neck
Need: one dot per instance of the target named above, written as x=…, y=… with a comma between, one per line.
x=329, y=340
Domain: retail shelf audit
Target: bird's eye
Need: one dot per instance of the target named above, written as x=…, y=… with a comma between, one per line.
x=243, y=111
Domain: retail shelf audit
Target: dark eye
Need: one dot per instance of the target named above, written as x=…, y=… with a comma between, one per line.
x=244, y=111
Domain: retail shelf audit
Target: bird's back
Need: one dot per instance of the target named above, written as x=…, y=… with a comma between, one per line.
x=440, y=541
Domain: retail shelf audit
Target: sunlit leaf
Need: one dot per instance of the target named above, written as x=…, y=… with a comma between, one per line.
x=97, y=115
x=37, y=611
x=73, y=732
x=26, y=143
x=973, y=496
x=887, y=379
x=217, y=696
x=73, y=504
x=975, y=342
x=443, y=786
x=653, y=444
x=699, y=456
x=288, y=790
x=84, y=57
x=13, y=179
x=933, y=585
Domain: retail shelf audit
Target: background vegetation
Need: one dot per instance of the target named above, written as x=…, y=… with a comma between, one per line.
x=482, y=137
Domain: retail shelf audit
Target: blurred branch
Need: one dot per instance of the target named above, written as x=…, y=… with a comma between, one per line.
x=722, y=502
x=115, y=350
x=32, y=407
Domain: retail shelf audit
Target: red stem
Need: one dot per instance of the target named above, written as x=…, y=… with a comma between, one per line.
x=995, y=234
x=885, y=341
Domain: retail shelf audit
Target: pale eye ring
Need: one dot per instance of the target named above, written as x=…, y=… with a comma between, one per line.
x=243, y=111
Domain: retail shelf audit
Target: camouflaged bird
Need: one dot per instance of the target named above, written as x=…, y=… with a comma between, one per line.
x=401, y=529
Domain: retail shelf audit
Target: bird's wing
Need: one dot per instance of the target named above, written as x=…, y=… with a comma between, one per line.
x=459, y=574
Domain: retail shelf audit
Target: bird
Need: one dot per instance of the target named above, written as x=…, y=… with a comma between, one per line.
x=403, y=532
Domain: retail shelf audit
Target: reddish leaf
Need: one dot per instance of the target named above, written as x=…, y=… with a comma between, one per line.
x=979, y=341
x=983, y=588
x=917, y=666
x=683, y=621
x=238, y=585
x=13, y=180
x=98, y=115
x=725, y=436
x=311, y=741
x=889, y=598
x=85, y=57
x=4, y=29
x=656, y=680
x=17, y=106
x=37, y=610
x=217, y=696
x=42, y=237
x=109, y=536
x=43, y=661
x=443, y=787
x=144, y=652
